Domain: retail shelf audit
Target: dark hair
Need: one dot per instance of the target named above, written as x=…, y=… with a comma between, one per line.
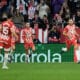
x=9, y=16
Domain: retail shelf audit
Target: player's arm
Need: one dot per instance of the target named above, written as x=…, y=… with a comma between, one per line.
x=77, y=34
x=14, y=34
x=65, y=32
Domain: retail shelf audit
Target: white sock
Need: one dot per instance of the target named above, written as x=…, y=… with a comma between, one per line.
x=27, y=58
x=78, y=55
x=5, y=59
x=29, y=52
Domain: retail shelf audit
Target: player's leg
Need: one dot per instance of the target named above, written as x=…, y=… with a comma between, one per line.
x=27, y=58
x=77, y=49
x=6, y=53
x=75, y=44
x=11, y=52
x=68, y=45
x=33, y=48
x=7, y=48
x=27, y=48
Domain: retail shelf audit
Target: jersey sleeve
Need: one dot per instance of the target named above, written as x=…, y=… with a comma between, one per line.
x=65, y=30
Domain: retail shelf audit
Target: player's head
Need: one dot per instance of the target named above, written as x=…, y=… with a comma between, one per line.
x=27, y=24
x=70, y=22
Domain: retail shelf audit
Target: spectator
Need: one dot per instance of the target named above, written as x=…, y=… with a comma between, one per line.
x=36, y=18
x=38, y=21
x=45, y=22
x=18, y=19
x=11, y=9
x=54, y=35
x=3, y=6
x=56, y=6
x=73, y=6
x=21, y=6
x=77, y=18
x=66, y=15
x=35, y=39
x=31, y=10
x=58, y=20
x=43, y=9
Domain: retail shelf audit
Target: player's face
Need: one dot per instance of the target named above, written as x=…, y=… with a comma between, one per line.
x=0, y=26
x=71, y=22
x=27, y=25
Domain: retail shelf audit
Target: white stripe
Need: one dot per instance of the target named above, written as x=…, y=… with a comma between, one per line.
x=45, y=36
x=33, y=31
x=40, y=35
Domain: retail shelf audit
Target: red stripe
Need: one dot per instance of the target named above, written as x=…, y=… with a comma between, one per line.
x=37, y=32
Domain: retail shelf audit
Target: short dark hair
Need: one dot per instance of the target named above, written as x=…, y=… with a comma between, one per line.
x=10, y=16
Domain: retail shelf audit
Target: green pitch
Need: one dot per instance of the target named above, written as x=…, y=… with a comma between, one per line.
x=41, y=71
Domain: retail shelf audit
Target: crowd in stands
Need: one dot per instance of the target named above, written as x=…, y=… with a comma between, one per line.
x=46, y=14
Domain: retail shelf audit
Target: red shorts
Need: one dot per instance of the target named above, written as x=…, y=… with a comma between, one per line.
x=12, y=43
x=7, y=45
x=69, y=43
x=1, y=45
x=29, y=45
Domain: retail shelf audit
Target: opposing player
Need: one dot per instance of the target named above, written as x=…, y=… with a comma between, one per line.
x=28, y=40
x=7, y=32
x=70, y=35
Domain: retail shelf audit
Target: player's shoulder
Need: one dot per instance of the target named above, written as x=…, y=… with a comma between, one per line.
x=67, y=27
x=30, y=28
x=23, y=30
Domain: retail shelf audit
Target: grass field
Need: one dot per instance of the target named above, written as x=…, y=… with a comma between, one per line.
x=41, y=71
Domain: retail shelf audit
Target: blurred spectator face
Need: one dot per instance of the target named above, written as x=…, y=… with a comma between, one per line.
x=45, y=17
x=34, y=36
x=78, y=13
x=17, y=12
x=54, y=28
x=71, y=22
x=67, y=10
x=36, y=25
x=36, y=16
x=42, y=2
x=32, y=2
x=27, y=25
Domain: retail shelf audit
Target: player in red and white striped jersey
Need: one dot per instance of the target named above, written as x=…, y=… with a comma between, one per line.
x=28, y=40
x=6, y=35
x=71, y=35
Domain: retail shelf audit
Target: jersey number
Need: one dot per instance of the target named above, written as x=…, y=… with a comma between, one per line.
x=5, y=30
